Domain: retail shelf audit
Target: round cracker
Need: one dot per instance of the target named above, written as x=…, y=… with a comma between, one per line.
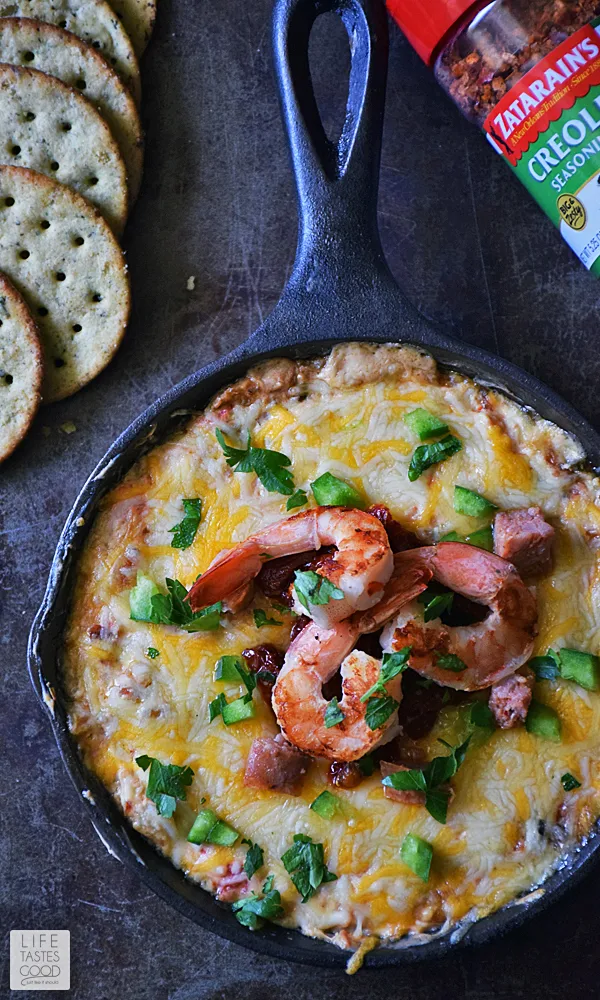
x=20, y=368
x=47, y=126
x=138, y=18
x=91, y=20
x=64, y=259
x=42, y=46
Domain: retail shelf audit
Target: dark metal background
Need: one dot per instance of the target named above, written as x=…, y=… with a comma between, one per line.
x=188, y=163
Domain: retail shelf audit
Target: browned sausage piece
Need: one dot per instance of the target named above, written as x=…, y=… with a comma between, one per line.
x=274, y=764
x=510, y=699
x=525, y=539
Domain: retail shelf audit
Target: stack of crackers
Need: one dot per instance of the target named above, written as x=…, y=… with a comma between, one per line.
x=71, y=155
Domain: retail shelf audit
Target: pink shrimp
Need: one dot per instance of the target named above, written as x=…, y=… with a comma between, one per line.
x=316, y=654
x=489, y=650
x=360, y=567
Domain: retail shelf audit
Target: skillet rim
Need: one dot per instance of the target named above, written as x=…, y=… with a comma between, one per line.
x=119, y=838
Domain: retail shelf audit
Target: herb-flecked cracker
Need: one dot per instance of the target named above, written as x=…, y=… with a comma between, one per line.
x=91, y=20
x=42, y=46
x=51, y=128
x=20, y=368
x=62, y=256
x=138, y=18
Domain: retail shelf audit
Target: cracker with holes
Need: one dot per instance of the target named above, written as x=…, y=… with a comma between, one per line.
x=41, y=46
x=64, y=259
x=47, y=126
x=20, y=368
x=138, y=18
x=91, y=20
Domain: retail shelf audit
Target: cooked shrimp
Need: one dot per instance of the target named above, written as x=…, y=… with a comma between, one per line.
x=316, y=654
x=360, y=567
x=491, y=649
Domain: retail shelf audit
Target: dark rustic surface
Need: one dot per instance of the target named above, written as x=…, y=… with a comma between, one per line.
x=472, y=252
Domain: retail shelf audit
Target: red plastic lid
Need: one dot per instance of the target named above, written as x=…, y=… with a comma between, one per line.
x=425, y=22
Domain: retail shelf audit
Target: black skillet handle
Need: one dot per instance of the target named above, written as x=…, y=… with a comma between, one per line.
x=338, y=241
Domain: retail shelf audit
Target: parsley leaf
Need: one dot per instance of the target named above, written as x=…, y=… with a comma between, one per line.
x=260, y=618
x=437, y=601
x=166, y=783
x=431, y=779
x=392, y=664
x=312, y=588
x=333, y=714
x=152, y=653
x=185, y=532
x=546, y=668
x=379, y=710
x=252, y=911
x=569, y=782
x=481, y=715
x=297, y=499
x=254, y=858
x=427, y=455
x=449, y=661
x=269, y=466
x=305, y=864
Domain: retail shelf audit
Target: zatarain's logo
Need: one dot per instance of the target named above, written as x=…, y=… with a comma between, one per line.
x=543, y=87
x=40, y=960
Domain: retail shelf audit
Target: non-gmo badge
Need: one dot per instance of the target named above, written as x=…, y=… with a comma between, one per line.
x=571, y=210
x=40, y=960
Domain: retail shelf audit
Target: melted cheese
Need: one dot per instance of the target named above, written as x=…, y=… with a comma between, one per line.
x=510, y=820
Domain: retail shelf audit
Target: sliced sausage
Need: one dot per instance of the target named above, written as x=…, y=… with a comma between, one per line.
x=525, y=539
x=274, y=764
x=510, y=699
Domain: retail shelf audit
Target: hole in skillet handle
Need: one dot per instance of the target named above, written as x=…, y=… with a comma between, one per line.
x=329, y=43
x=337, y=181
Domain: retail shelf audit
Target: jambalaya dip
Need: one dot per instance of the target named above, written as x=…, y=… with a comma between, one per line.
x=430, y=535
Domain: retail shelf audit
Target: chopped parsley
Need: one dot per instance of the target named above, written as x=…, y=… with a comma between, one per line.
x=449, y=661
x=333, y=714
x=152, y=653
x=253, y=910
x=427, y=455
x=312, y=588
x=185, y=532
x=254, y=858
x=297, y=499
x=546, y=668
x=166, y=783
x=305, y=864
x=431, y=779
x=260, y=618
x=569, y=782
x=366, y=765
x=271, y=467
x=380, y=705
x=148, y=604
x=437, y=601
x=392, y=664
x=482, y=716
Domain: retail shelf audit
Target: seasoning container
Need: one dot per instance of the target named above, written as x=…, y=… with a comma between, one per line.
x=528, y=73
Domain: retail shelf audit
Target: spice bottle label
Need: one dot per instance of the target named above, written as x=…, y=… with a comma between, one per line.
x=548, y=128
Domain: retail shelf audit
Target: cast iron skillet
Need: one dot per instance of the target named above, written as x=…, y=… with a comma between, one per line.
x=340, y=289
